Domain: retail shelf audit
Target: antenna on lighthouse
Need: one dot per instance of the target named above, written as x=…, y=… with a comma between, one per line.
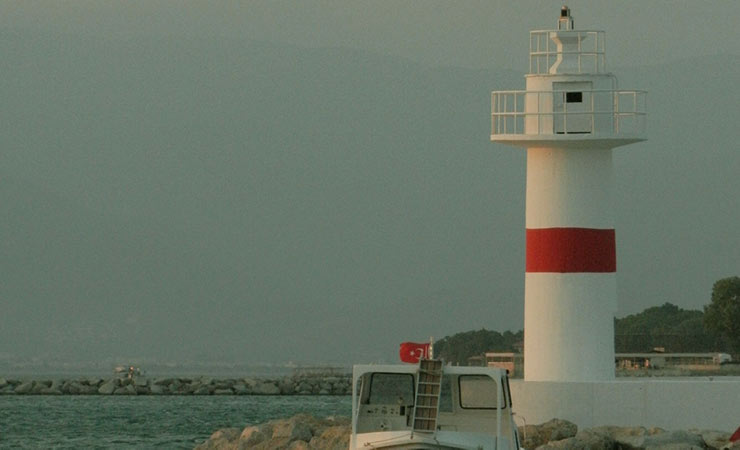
x=565, y=22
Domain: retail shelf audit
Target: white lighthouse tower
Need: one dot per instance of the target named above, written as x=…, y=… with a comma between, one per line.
x=569, y=119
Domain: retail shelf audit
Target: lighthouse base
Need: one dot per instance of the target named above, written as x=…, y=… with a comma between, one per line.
x=669, y=403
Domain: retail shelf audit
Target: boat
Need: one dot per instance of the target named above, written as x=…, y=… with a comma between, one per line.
x=431, y=406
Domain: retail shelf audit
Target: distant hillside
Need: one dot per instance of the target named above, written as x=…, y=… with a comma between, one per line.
x=458, y=348
x=666, y=326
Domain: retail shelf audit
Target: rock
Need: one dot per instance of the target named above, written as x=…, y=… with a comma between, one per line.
x=163, y=381
x=50, y=391
x=273, y=444
x=202, y=390
x=88, y=390
x=24, y=388
x=223, y=392
x=674, y=440
x=286, y=387
x=252, y=436
x=141, y=381
x=240, y=388
x=225, y=438
x=157, y=389
x=714, y=439
x=108, y=387
x=332, y=438
x=174, y=386
x=223, y=384
x=129, y=389
x=627, y=438
x=534, y=436
x=298, y=445
x=295, y=428
x=3, y=382
x=266, y=389
x=583, y=440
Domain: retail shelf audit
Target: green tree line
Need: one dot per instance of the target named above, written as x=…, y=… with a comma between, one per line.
x=715, y=329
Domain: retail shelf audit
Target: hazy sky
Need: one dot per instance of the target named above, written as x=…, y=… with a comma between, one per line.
x=462, y=33
x=313, y=181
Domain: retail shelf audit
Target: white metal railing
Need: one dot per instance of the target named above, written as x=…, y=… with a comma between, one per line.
x=603, y=112
x=589, y=55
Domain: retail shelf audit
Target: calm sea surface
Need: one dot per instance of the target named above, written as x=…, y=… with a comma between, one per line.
x=70, y=421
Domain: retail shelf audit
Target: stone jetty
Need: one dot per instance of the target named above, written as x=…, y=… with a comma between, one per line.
x=305, y=432
x=302, y=384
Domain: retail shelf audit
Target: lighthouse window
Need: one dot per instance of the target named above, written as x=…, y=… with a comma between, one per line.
x=573, y=97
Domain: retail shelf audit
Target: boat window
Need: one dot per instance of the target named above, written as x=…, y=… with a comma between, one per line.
x=445, y=394
x=478, y=392
x=391, y=389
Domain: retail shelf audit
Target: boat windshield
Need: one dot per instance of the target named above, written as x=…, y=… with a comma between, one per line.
x=478, y=392
x=391, y=389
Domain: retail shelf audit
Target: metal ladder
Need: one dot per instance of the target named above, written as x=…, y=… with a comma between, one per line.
x=428, y=387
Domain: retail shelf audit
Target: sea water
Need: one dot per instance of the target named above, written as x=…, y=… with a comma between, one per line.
x=72, y=421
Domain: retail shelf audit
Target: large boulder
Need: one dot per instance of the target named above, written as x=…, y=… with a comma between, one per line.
x=253, y=435
x=158, y=389
x=332, y=438
x=714, y=439
x=301, y=432
x=24, y=388
x=222, y=439
x=108, y=387
x=674, y=440
x=296, y=428
x=266, y=388
x=128, y=389
x=534, y=436
x=626, y=438
x=583, y=440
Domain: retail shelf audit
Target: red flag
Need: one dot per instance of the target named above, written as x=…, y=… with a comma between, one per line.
x=411, y=352
x=735, y=436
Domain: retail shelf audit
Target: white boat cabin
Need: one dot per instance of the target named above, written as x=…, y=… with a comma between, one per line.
x=431, y=406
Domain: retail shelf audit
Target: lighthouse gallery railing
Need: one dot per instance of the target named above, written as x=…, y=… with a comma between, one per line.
x=603, y=112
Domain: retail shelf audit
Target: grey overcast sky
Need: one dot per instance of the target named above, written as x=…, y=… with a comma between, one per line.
x=460, y=33
x=272, y=181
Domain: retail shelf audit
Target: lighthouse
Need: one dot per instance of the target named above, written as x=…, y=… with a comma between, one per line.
x=569, y=119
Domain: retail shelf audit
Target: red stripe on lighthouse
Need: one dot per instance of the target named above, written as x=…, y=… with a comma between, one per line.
x=571, y=250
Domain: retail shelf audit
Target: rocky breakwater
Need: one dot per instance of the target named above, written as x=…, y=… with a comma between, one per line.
x=301, y=432
x=292, y=385
x=304, y=432
x=561, y=434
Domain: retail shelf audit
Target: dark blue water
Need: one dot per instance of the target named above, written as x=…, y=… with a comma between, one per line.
x=144, y=421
